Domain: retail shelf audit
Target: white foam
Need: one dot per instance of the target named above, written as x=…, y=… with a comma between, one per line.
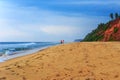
x=19, y=54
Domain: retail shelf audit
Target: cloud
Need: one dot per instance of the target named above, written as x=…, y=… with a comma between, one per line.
x=100, y=3
x=7, y=33
x=23, y=23
x=86, y=2
x=60, y=30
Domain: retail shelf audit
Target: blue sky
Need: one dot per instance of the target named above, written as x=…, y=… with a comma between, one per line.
x=52, y=20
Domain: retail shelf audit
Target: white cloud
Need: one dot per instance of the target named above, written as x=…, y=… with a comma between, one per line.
x=92, y=2
x=33, y=24
x=7, y=33
x=60, y=30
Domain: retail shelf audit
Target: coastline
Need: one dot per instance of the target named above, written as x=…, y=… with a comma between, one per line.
x=21, y=54
x=73, y=61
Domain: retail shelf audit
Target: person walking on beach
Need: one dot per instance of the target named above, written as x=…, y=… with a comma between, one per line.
x=62, y=41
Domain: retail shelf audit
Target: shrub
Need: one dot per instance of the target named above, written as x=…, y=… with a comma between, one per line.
x=111, y=38
x=116, y=30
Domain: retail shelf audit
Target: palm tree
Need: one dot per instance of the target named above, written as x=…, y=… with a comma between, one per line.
x=116, y=15
x=111, y=16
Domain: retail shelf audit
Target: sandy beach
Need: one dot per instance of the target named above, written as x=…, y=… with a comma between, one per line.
x=73, y=61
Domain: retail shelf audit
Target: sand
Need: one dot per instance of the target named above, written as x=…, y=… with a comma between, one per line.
x=74, y=61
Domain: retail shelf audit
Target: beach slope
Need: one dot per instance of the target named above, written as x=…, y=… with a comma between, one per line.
x=74, y=61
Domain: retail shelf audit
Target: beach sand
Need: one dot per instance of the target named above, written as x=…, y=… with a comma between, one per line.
x=74, y=61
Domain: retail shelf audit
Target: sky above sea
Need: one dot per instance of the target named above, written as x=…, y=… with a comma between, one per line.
x=52, y=20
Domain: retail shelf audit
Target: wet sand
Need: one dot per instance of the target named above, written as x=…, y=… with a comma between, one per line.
x=74, y=61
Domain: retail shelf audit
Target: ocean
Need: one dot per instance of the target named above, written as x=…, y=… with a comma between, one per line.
x=9, y=50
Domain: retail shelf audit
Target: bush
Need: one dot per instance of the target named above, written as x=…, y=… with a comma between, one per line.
x=111, y=38
x=116, y=30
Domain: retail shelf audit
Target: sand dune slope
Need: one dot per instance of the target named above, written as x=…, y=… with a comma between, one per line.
x=75, y=61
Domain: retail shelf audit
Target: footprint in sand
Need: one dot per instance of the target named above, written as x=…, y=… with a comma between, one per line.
x=3, y=78
x=8, y=68
x=57, y=75
x=24, y=78
x=116, y=76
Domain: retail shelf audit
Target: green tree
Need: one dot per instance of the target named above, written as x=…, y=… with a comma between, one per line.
x=119, y=16
x=116, y=29
x=111, y=16
x=116, y=15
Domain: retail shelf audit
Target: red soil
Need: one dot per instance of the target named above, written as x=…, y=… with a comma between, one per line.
x=110, y=31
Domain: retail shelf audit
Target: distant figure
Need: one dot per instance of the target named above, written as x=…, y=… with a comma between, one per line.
x=62, y=41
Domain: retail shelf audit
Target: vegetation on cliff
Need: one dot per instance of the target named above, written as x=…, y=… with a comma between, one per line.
x=109, y=31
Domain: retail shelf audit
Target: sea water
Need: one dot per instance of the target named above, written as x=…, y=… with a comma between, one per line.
x=9, y=50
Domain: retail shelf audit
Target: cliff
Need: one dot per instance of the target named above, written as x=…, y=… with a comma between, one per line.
x=105, y=32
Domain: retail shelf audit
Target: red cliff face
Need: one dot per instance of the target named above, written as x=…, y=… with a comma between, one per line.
x=113, y=32
x=109, y=31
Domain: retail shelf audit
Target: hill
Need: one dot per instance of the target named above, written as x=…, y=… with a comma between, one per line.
x=105, y=32
x=77, y=40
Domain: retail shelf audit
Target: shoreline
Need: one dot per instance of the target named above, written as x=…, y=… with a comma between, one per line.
x=73, y=61
x=21, y=57
x=5, y=58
